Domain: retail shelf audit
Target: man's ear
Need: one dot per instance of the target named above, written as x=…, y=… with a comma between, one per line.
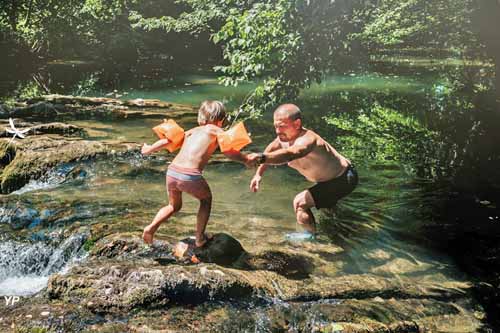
x=297, y=123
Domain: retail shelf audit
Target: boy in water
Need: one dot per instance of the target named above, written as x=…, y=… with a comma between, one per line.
x=185, y=172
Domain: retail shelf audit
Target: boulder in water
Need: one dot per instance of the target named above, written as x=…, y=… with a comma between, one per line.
x=221, y=249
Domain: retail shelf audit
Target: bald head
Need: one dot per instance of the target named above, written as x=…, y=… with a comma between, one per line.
x=287, y=122
x=290, y=111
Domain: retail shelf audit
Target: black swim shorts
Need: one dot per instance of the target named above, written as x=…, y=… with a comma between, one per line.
x=326, y=194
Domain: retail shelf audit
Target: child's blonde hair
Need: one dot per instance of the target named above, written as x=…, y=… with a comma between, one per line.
x=211, y=111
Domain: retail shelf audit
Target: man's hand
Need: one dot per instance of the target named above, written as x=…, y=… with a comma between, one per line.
x=252, y=160
x=255, y=183
x=146, y=149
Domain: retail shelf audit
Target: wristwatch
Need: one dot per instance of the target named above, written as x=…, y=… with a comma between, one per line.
x=261, y=159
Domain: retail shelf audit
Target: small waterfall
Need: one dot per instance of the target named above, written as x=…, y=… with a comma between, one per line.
x=53, y=178
x=25, y=267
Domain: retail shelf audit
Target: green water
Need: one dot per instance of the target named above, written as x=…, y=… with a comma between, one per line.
x=376, y=229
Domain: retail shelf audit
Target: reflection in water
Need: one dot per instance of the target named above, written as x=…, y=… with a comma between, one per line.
x=379, y=229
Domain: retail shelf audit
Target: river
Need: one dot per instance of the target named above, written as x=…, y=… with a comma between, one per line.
x=378, y=230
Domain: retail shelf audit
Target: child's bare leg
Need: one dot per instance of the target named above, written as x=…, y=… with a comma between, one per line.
x=202, y=220
x=175, y=204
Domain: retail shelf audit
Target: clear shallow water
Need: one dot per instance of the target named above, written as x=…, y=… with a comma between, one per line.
x=376, y=229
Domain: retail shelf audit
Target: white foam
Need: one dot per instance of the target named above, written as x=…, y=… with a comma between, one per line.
x=26, y=267
x=23, y=285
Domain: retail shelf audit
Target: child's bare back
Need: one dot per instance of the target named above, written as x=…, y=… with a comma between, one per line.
x=199, y=144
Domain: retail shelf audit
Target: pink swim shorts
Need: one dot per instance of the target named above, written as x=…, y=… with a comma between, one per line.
x=187, y=180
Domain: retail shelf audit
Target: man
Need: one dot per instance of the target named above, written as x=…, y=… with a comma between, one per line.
x=314, y=158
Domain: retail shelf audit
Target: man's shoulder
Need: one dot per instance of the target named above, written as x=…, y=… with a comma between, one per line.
x=307, y=137
x=310, y=132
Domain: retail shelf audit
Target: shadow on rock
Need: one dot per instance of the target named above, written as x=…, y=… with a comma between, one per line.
x=294, y=266
x=224, y=250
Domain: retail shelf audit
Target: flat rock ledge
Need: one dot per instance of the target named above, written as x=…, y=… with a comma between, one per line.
x=122, y=278
x=109, y=286
x=62, y=107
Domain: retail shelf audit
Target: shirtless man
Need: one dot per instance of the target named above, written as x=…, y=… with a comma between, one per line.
x=314, y=158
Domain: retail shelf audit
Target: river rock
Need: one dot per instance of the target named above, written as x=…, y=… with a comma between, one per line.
x=42, y=128
x=220, y=248
x=35, y=156
x=122, y=277
x=60, y=107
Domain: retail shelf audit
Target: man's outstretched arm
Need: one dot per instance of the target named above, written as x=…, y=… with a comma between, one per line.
x=299, y=149
x=248, y=159
x=255, y=182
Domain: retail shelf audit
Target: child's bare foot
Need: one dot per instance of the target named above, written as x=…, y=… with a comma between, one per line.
x=147, y=235
x=206, y=238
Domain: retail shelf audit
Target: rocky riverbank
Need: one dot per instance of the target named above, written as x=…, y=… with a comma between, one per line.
x=124, y=279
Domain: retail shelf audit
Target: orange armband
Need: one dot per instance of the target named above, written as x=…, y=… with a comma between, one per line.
x=171, y=131
x=234, y=139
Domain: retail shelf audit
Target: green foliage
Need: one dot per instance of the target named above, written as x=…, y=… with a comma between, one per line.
x=29, y=90
x=286, y=44
x=56, y=26
x=439, y=23
x=385, y=134
x=466, y=115
x=86, y=85
x=259, y=42
x=198, y=17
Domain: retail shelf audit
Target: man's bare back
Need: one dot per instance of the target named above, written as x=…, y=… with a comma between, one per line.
x=322, y=163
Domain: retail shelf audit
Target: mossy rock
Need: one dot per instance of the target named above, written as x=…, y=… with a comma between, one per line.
x=37, y=155
x=75, y=107
x=7, y=153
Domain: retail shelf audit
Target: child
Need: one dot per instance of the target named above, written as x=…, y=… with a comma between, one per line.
x=184, y=174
